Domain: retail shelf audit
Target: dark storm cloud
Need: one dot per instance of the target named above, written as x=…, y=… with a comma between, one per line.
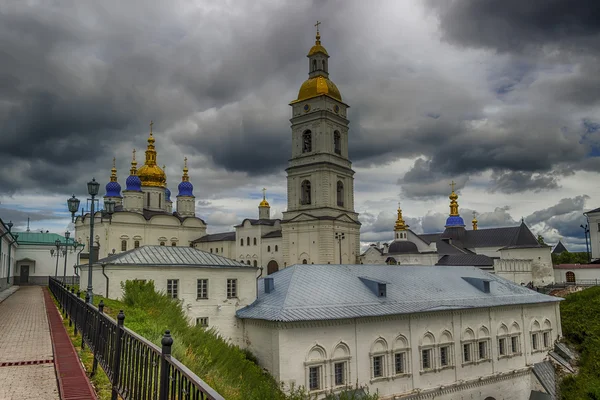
x=518, y=181
x=515, y=25
x=19, y=217
x=564, y=206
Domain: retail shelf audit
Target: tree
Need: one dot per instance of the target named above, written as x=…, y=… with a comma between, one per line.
x=540, y=240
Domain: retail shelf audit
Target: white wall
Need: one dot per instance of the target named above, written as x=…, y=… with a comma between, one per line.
x=580, y=274
x=541, y=265
x=218, y=308
x=518, y=271
x=295, y=341
x=594, y=220
x=4, y=261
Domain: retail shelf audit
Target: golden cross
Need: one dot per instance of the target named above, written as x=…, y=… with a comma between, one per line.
x=264, y=190
x=185, y=162
x=453, y=184
x=133, y=154
x=398, y=204
x=114, y=160
x=151, y=123
x=317, y=25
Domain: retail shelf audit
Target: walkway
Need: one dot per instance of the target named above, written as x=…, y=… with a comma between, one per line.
x=26, y=361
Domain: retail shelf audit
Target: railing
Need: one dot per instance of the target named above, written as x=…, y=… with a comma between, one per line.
x=136, y=368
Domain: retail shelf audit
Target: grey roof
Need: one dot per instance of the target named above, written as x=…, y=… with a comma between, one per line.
x=402, y=247
x=544, y=372
x=274, y=234
x=324, y=292
x=476, y=260
x=564, y=351
x=178, y=256
x=595, y=210
x=559, y=248
x=268, y=222
x=216, y=237
x=561, y=361
x=429, y=237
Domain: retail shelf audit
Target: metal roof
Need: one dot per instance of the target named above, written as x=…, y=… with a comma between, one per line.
x=179, y=256
x=476, y=260
x=44, y=238
x=544, y=372
x=324, y=292
x=216, y=237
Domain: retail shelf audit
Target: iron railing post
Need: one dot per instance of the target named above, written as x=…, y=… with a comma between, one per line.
x=167, y=342
x=76, y=319
x=97, y=334
x=71, y=306
x=84, y=328
x=117, y=355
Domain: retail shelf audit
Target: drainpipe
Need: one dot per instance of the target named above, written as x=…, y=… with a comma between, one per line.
x=104, y=265
x=257, y=278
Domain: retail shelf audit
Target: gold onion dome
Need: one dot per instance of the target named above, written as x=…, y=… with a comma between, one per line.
x=318, y=85
x=400, y=224
x=264, y=202
x=150, y=173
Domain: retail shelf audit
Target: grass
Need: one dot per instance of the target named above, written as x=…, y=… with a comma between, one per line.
x=580, y=314
x=228, y=369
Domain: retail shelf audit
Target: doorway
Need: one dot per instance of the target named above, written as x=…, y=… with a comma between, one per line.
x=272, y=266
x=24, y=278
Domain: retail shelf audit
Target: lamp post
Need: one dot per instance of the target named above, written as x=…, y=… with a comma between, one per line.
x=57, y=244
x=93, y=188
x=73, y=204
x=16, y=236
x=339, y=237
x=9, y=225
x=67, y=234
x=586, y=231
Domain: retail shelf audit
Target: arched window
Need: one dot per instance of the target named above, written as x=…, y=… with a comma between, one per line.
x=162, y=243
x=247, y=240
x=123, y=245
x=305, y=192
x=136, y=244
x=217, y=250
x=314, y=68
x=378, y=359
x=324, y=66
x=173, y=244
x=148, y=199
x=211, y=249
x=241, y=241
x=337, y=142
x=307, y=142
x=341, y=365
x=304, y=261
x=255, y=263
x=255, y=241
x=340, y=193
x=391, y=261
x=268, y=248
x=159, y=200
x=276, y=248
x=570, y=275
x=426, y=350
x=315, y=368
x=401, y=354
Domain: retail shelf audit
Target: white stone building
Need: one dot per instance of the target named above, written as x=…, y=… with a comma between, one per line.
x=408, y=331
x=593, y=217
x=211, y=288
x=144, y=211
x=510, y=252
x=7, y=258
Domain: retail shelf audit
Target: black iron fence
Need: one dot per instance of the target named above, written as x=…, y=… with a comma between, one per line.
x=136, y=368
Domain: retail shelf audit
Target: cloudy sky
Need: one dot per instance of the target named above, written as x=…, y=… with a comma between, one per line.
x=504, y=100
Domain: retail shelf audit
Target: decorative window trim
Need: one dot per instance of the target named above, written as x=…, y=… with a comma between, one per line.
x=431, y=349
x=488, y=350
x=450, y=365
x=471, y=343
x=322, y=375
x=347, y=378
x=384, y=366
x=507, y=346
x=407, y=370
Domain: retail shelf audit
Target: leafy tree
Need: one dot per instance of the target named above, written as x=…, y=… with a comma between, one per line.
x=567, y=257
x=540, y=240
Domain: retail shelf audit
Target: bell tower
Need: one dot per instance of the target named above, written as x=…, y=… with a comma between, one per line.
x=320, y=225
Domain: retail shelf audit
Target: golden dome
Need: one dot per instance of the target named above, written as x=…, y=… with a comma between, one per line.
x=318, y=86
x=400, y=224
x=151, y=174
x=264, y=202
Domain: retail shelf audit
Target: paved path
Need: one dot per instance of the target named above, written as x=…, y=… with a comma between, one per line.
x=25, y=336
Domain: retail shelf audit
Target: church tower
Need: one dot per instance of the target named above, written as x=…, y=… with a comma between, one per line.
x=113, y=189
x=320, y=225
x=186, y=202
x=400, y=227
x=153, y=178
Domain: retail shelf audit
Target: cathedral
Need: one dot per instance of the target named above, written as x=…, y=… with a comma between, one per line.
x=320, y=225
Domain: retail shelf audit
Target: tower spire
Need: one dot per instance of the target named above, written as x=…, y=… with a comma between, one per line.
x=400, y=224
x=133, y=170
x=113, y=171
x=185, y=177
x=151, y=151
x=264, y=202
x=474, y=221
x=453, y=203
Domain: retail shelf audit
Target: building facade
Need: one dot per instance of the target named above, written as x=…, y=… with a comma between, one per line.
x=444, y=333
x=510, y=252
x=8, y=254
x=211, y=288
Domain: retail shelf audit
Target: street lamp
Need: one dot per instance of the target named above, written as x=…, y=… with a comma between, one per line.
x=73, y=204
x=67, y=234
x=586, y=231
x=57, y=244
x=339, y=237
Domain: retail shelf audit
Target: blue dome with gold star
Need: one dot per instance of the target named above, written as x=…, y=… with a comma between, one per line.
x=185, y=187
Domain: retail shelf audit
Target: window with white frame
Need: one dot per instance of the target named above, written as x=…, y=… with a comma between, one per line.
x=445, y=347
x=482, y=352
x=379, y=351
x=172, y=288
x=547, y=334
x=502, y=346
x=340, y=365
x=339, y=373
x=483, y=348
x=515, y=348
x=534, y=333
x=535, y=341
x=401, y=353
x=231, y=288
x=426, y=361
x=502, y=341
x=426, y=352
x=315, y=368
x=468, y=341
x=202, y=321
x=202, y=289
x=546, y=338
